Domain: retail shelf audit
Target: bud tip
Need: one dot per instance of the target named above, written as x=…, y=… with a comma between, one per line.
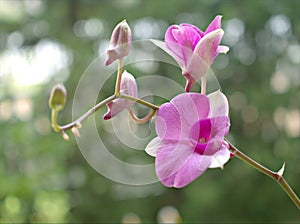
x=58, y=97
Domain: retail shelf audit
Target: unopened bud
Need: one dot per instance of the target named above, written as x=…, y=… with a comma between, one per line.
x=58, y=97
x=75, y=132
x=120, y=43
x=78, y=125
x=65, y=136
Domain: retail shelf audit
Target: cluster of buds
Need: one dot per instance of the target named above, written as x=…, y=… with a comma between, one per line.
x=119, y=47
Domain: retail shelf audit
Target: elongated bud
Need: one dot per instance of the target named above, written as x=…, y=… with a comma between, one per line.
x=65, y=136
x=75, y=131
x=128, y=87
x=58, y=97
x=120, y=43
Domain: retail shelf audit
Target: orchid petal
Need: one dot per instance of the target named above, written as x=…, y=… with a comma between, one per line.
x=204, y=54
x=176, y=52
x=214, y=25
x=218, y=104
x=186, y=36
x=199, y=32
x=174, y=119
x=207, y=134
x=192, y=107
x=223, y=49
x=208, y=45
x=165, y=126
x=152, y=146
x=115, y=107
x=128, y=84
x=190, y=81
x=194, y=167
x=220, y=126
x=220, y=158
x=171, y=156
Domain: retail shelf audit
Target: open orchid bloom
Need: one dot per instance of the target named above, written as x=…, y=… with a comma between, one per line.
x=191, y=130
x=120, y=43
x=193, y=49
x=128, y=87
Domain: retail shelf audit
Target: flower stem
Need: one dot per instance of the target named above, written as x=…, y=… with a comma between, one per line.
x=277, y=176
x=119, y=76
x=140, y=101
x=87, y=114
x=203, y=85
x=54, y=124
x=141, y=120
x=91, y=111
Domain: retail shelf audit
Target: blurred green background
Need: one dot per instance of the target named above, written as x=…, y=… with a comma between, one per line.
x=46, y=179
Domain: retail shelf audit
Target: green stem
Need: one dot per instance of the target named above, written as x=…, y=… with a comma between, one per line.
x=277, y=176
x=140, y=101
x=88, y=113
x=119, y=76
x=91, y=111
x=203, y=84
x=55, y=126
x=141, y=120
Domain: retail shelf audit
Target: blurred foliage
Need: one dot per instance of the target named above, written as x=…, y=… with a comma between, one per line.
x=45, y=179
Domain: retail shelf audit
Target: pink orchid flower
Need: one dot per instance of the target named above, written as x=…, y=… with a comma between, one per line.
x=191, y=130
x=193, y=49
x=128, y=87
x=120, y=43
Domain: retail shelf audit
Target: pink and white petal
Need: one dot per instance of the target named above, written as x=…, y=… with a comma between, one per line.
x=220, y=126
x=190, y=81
x=200, y=32
x=128, y=84
x=112, y=55
x=218, y=104
x=196, y=67
x=211, y=147
x=169, y=181
x=169, y=36
x=214, y=25
x=192, y=107
x=193, y=168
x=223, y=49
x=208, y=45
x=220, y=158
x=168, y=124
x=173, y=49
x=172, y=44
x=115, y=107
x=174, y=119
x=187, y=36
x=152, y=147
x=171, y=157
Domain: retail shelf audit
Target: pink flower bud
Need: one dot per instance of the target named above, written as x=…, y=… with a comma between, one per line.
x=128, y=87
x=120, y=42
x=193, y=49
